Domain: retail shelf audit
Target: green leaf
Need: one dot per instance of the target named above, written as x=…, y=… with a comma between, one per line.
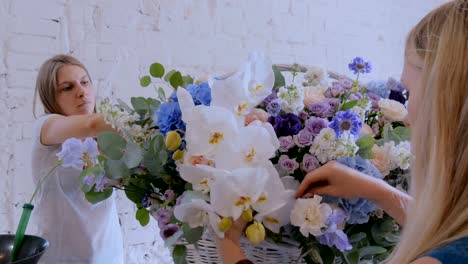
x=158, y=143
x=142, y=215
x=176, y=80
x=145, y=81
x=352, y=257
x=140, y=105
x=152, y=163
x=116, y=169
x=179, y=254
x=366, y=153
x=161, y=94
x=169, y=75
x=133, y=155
x=192, y=235
x=124, y=105
x=153, y=106
x=111, y=144
x=404, y=133
x=187, y=79
x=134, y=190
x=156, y=70
x=349, y=105
x=357, y=237
x=371, y=251
x=366, y=141
x=279, y=78
x=327, y=255
x=96, y=197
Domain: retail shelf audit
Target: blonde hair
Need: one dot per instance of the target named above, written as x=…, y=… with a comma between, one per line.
x=46, y=83
x=439, y=182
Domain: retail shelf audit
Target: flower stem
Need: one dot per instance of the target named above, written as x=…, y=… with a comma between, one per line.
x=42, y=180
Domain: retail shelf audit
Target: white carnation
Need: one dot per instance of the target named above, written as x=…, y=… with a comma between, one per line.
x=292, y=98
x=310, y=215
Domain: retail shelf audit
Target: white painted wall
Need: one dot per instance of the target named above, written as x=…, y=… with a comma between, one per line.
x=118, y=40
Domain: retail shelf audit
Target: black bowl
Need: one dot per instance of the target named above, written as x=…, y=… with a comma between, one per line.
x=30, y=253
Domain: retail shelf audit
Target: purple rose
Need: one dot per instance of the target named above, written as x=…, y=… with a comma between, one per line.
x=168, y=230
x=285, y=143
x=355, y=96
x=318, y=109
x=345, y=83
x=309, y=163
x=163, y=216
x=303, y=115
x=274, y=107
x=287, y=164
x=332, y=107
x=303, y=138
x=285, y=125
x=316, y=124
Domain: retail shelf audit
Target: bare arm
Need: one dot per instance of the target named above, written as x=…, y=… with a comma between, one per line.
x=59, y=128
x=338, y=180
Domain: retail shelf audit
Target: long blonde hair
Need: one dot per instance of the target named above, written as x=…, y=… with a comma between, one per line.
x=439, y=183
x=46, y=83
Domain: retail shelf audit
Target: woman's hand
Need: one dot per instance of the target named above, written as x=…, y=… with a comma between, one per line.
x=339, y=180
x=229, y=246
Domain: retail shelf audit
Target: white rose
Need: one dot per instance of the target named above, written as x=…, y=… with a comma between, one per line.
x=312, y=95
x=310, y=215
x=393, y=110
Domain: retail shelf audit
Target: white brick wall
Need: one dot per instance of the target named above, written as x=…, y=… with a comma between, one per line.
x=118, y=40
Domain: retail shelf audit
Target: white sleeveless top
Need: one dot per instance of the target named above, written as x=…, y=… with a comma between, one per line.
x=78, y=231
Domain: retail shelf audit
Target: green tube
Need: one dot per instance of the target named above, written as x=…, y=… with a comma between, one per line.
x=23, y=224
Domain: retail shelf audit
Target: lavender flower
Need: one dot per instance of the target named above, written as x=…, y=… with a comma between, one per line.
x=334, y=236
x=316, y=124
x=103, y=182
x=169, y=195
x=346, y=121
x=358, y=65
x=286, y=143
x=89, y=179
x=332, y=107
x=74, y=153
x=355, y=96
x=268, y=99
x=303, y=115
x=309, y=163
x=346, y=83
x=287, y=164
x=168, y=230
x=303, y=138
x=274, y=107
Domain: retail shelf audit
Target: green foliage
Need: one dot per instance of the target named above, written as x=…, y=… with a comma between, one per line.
x=111, y=144
x=179, y=254
x=145, y=81
x=96, y=197
x=156, y=70
x=142, y=215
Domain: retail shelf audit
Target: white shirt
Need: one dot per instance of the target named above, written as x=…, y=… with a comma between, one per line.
x=78, y=231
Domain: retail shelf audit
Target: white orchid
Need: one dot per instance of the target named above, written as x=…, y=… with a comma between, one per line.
x=207, y=127
x=255, y=145
x=246, y=88
x=196, y=212
x=200, y=176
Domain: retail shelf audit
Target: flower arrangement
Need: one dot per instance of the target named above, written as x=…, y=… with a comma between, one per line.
x=238, y=147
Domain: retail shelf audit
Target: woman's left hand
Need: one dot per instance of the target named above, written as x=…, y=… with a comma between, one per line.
x=229, y=246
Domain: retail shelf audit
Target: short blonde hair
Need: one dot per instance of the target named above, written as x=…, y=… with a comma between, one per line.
x=46, y=83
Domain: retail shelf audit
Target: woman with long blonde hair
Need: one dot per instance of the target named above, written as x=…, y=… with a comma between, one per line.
x=435, y=216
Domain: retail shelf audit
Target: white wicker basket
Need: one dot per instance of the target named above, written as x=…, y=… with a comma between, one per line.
x=264, y=253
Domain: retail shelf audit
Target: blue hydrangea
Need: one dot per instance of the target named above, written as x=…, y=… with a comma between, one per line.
x=169, y=117
x=379, y=87
x=346, y=121
x=201, y=94
x=358, y=210
x=359, y=65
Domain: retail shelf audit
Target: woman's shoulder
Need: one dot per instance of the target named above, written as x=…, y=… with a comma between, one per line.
x=452, y=252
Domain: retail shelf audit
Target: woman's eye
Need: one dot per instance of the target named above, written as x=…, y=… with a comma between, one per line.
x=66, y=89
x=84, y=82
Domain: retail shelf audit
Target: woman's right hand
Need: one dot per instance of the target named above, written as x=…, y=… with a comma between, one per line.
x=338, y=180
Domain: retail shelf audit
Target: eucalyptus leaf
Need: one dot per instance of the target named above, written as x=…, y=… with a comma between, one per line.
x=111, y=144
x=169, y=75
x=116, y=169
x=192, y=235
x=176, y=80
x=366, y=141
x=179, y=254
x=145, y=81
x=371, y=251
x=125, y=106
x=142, y=215
x=96, y=197
x=140, y=105
x=157, y=70
x=187, y=79
x=161, y=94
x=352, y=257
x=357, y=237
x=133, y=155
